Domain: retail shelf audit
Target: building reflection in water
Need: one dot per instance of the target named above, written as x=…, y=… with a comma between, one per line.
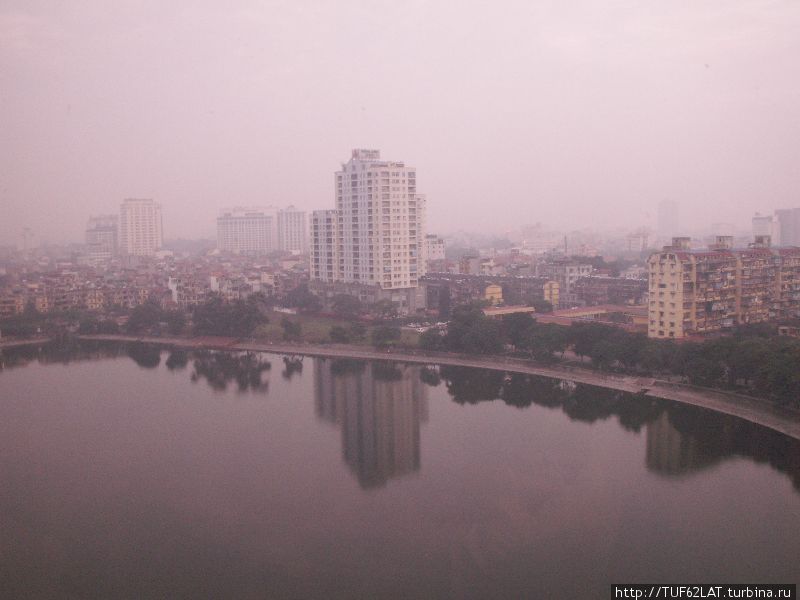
x=670, y=452
x=379, y=408
x=688, y=439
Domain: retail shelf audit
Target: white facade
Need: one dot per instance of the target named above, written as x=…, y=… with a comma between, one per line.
x=247, y=230
x=376, y=234
x=292, y=230
x=140, y=227
x=765, y=225
x=434, y=248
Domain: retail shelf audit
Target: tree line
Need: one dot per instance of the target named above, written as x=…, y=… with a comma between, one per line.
x=753, y=360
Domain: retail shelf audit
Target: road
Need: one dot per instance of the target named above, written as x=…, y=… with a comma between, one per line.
x=752, y=409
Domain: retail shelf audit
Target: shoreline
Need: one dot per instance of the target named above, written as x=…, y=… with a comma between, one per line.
x=755, y=410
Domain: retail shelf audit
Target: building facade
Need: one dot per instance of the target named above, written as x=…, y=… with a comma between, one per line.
x=102, y=236
x=699, y=292
x=376, y=233
x=566, y=272
x=140, y=227
x=247, y=230
x=292, y=230
x=787, y=225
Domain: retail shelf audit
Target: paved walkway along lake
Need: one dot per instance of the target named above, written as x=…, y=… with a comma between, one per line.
x=752, y=409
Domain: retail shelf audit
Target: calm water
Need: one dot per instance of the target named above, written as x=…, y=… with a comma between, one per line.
x=129, y=472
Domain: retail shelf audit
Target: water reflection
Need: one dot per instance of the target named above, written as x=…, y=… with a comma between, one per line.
x=681, y=439
x=221, y=368
x=292, y=365
x=379, y=407
x=684, y=439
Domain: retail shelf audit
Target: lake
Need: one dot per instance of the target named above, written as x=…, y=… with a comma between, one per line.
x=129, y=471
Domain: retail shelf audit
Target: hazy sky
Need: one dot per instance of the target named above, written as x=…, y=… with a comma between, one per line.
x=570, y=113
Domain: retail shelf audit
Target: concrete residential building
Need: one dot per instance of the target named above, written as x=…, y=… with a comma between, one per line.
x=787, y=225
x=697, y=292
x=566, y=272
x=247, y=230
x=102, y=237
x=376, y=234
x=765, y=225
x=292, y=230
x=140, y=227
x=434, y=248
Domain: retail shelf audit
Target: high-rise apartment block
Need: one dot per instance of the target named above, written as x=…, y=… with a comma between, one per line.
x=140, y=227
x=247, y=230
x=376, y=234
x=292, y=230
x=260, y=230
x=434, y=248
x=698, y=292
x=765, y=225
x=102, y=236
x=787, y=221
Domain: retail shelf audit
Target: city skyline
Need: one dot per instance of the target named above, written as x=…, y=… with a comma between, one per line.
x=199, y=106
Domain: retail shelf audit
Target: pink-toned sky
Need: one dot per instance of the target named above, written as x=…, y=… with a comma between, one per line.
x=570, y=113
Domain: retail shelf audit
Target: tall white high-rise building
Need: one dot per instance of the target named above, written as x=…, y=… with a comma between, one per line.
x=376, y=234
x=292, y=230
x=140, y=227
x=787, y=224
x=247, y=230
x=764, y=225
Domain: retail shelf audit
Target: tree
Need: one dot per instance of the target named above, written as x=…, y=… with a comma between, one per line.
x=473, y=332
x=516, y=327
x=346, y=306
x=385, y=336
x=384, y=309
x=543, y=340
x=431, y=340
x=300, y=297
x=108, y=326
x=176, y=321
x=292, y=330
x=339, y=335
x=445, y=310
x=237, y=318
x=144, y=317
x=357, y=331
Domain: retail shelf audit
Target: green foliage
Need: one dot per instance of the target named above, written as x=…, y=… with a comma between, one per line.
x=237, y=318
x=431, y=340
x=544, y=340
x=384, y=309
x=292, y=330
x=517, y=326
x=472, y=332
x=144, y=317
x=92, y=325
x=340, y=335
x=346, y=306
x=176, y=321
x=357, y=331
x=300, y=297
x=385, y=336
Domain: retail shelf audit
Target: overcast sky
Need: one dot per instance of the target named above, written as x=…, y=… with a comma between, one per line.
x=570, y=113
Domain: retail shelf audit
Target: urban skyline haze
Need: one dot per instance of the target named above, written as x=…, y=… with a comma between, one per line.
x=571, y=115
